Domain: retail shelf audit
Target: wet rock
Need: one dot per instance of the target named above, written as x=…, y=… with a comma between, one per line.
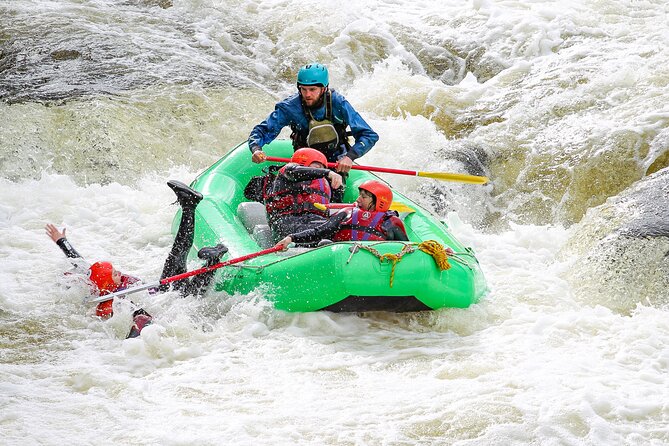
x=160, y=3
x=622, y=248
x=65, y=54
x=471, y=202
x=474, y=159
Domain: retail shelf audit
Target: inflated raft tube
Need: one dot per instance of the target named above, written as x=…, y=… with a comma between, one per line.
x=431, y=271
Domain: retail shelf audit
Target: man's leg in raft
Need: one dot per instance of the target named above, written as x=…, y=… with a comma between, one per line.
x=176, y=260
x=292, y=224
x=183, y=242
x=199, y=284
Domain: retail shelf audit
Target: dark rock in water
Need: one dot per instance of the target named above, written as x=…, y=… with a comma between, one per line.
x=160, y=3
x=652, y=212
x=474, y=160
x=471, y=202
x=622, y=248
x=65, y=54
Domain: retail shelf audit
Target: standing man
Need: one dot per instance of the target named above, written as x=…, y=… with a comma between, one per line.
x=318, y=118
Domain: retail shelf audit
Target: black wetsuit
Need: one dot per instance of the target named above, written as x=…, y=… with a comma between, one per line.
x=69, y=251
x=176, y=259
x=286, y=178
x=391, y=230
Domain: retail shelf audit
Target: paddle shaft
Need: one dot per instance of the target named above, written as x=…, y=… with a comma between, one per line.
x=465, y=178
x=185, y=275
x=335, y=205
x=354, y=166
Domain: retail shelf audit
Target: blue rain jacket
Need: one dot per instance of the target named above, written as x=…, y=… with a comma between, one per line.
x=289, y=112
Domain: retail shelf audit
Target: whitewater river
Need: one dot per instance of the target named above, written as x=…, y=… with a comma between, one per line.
x=564, y=105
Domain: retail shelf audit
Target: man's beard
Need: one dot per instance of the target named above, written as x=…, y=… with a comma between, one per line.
x=316, y=104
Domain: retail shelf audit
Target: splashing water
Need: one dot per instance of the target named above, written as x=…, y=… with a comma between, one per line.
x=562, y=105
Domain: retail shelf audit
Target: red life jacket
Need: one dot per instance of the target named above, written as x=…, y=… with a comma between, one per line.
x=362, y=225
x=126, y=281
x=298, y=198
x=104, y=309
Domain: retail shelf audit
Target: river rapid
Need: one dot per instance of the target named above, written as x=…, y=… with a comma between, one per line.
x=564, y=105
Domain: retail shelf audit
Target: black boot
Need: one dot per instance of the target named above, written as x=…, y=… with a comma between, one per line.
x=186, y=196
x=199, y=284
x=212, y=254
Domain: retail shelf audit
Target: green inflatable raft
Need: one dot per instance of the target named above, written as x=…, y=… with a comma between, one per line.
x=346, y=276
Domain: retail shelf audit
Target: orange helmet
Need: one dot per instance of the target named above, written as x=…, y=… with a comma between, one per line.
x=306, y=156
x=382, y=193
x=100, y=274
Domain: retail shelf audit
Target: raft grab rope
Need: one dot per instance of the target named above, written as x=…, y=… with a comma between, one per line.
x=431, y=247
x=440, y=255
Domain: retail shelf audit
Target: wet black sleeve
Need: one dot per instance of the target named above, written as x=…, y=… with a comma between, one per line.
x=326, y=230
x=69, y=251
x=294, y=172
x=394, y=229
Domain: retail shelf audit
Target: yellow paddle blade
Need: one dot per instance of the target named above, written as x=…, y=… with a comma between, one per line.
x=320, y=206
x=400, y=207
x=461, y=177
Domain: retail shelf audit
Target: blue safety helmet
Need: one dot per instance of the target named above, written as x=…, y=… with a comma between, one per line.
x=313, y=74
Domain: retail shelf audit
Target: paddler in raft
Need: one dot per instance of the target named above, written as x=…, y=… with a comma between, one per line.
x=369, y=218
x=106, y=279
x=319, y=118
x=290, y=192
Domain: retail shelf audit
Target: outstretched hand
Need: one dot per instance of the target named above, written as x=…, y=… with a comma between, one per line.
x=283, y=243
x=54, y=233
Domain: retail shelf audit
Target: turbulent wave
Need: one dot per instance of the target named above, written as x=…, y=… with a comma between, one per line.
x=101, y=139
x=562, y=104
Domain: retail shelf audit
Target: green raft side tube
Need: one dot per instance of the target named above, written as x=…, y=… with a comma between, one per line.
x=335, y=277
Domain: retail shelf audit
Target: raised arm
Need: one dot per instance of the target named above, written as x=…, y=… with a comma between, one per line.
x=59, y=239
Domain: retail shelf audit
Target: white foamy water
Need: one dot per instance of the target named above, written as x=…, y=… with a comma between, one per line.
x=527, y=365
x=562, y=104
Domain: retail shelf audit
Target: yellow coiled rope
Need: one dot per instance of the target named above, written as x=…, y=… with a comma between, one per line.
x=435, y=249
x=438, y=253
